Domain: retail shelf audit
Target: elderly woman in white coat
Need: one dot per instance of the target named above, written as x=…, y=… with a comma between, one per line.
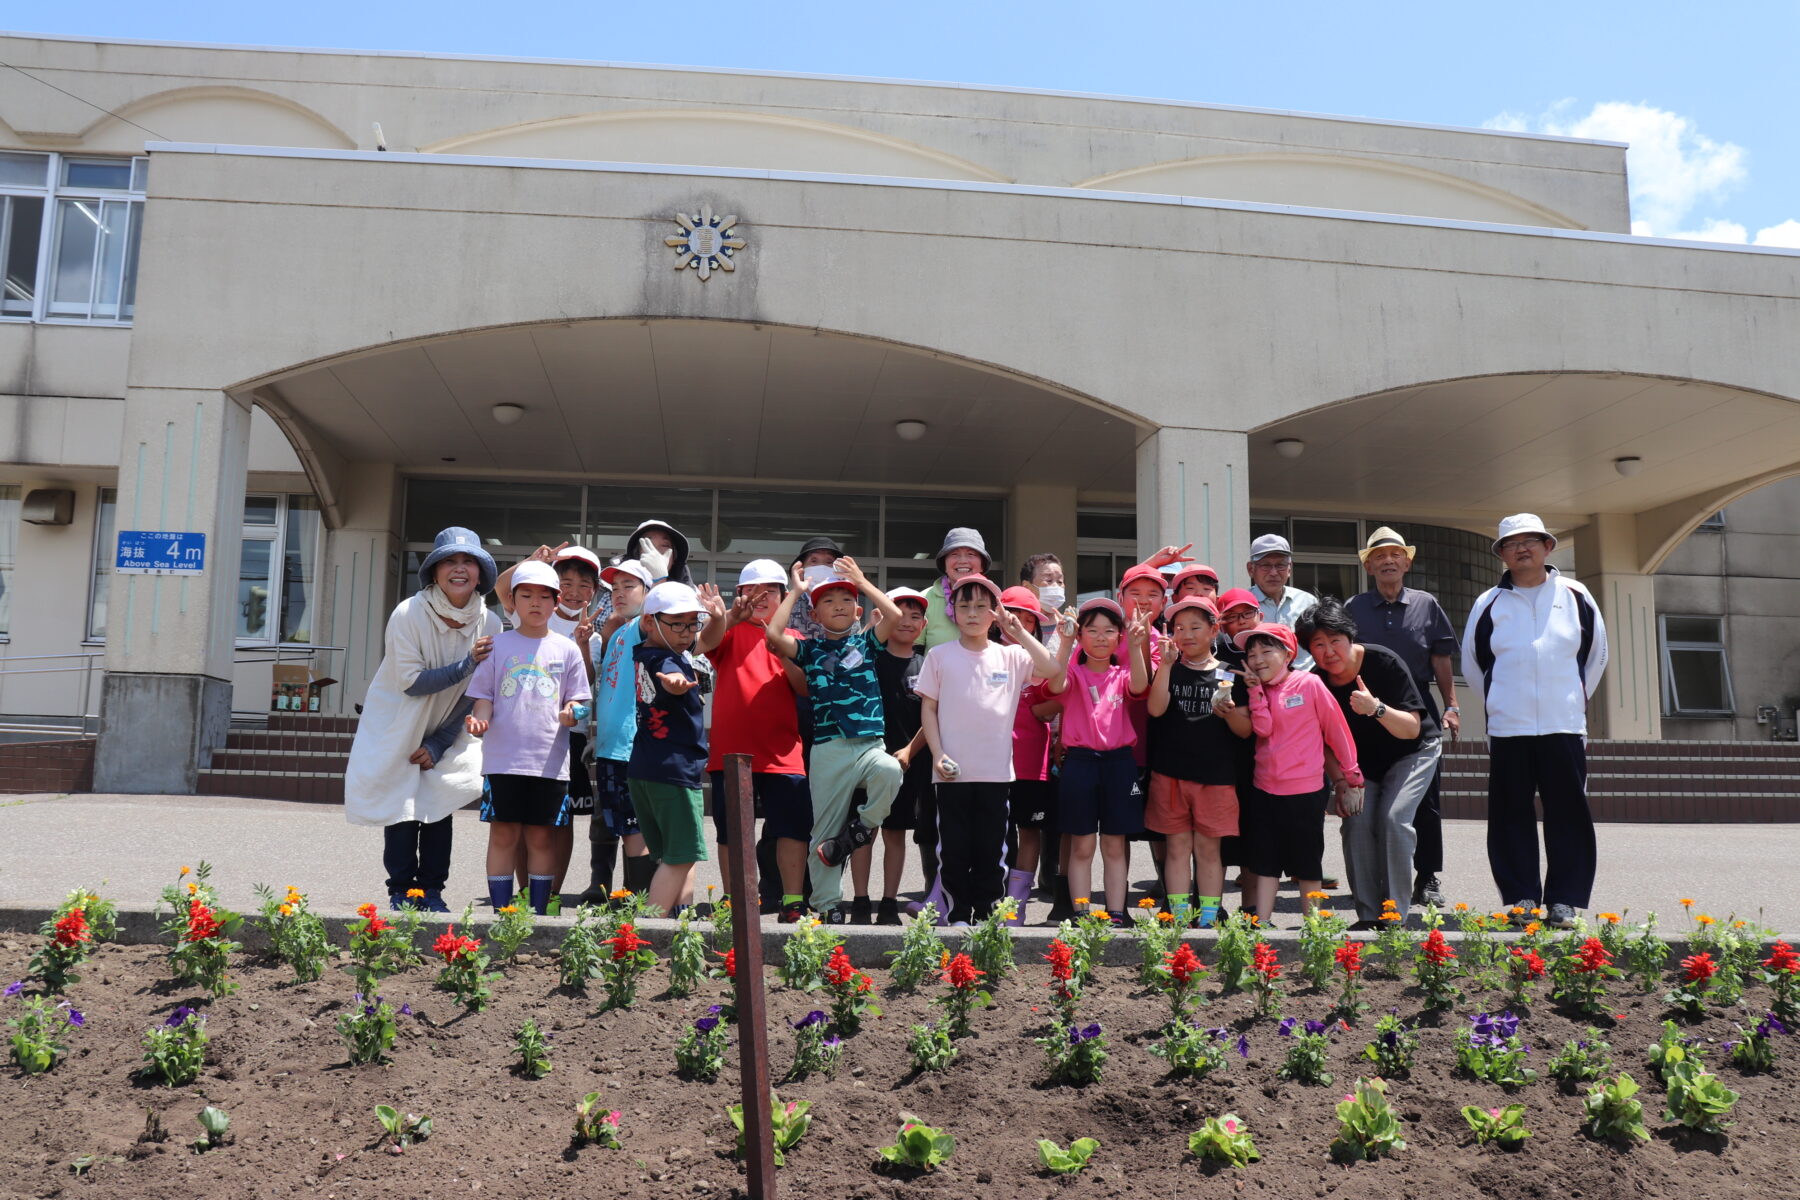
x=413, y=764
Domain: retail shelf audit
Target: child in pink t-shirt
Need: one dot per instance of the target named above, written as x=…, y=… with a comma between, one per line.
x=1099, y=769
x=969, y=692
x=1295, y=718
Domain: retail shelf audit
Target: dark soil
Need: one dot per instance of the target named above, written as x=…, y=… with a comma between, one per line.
x=303, y=1120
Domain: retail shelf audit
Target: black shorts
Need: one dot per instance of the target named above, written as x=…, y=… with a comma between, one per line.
x=1282, y=835
x=1033, y=803
x=581, y=791
x=615, y=815
x=905, y=812
x=525, y=800
x=784, y=802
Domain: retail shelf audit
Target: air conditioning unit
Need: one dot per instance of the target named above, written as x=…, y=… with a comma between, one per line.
x=49, y=506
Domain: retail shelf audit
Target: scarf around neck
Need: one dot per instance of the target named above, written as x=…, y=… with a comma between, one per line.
x=469, y=616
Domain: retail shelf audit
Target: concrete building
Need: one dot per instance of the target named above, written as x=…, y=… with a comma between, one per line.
x=557, y=297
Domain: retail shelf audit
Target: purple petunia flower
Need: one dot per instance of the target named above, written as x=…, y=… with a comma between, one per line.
x=1243, y=1045
x=1508, y=1023
x=358, y=998
x=1220, y=1034
x=811, y=1018
x=13, y=989
x=706, y=1024
x=1078, y=1036
x=715, y=1009
x=1769, y=1023
x=1286, y=1028
x=406, y=1010
x=76, y=1019
x=1390, y=1039
x=832, y=1042
x=179, y=1017
x=1317, y=1026
x=1728, y=1047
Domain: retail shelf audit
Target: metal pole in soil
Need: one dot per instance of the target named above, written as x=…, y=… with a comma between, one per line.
x=752, y=1009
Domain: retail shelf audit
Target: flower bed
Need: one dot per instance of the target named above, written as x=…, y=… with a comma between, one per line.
x=303, y=1122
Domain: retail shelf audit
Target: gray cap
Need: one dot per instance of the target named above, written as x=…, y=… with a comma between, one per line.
x=1270, y=543
x=964, y=538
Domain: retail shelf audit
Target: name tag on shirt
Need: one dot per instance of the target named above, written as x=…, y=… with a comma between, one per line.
x=1293, y=702
x=998, y=678
x=852, y=660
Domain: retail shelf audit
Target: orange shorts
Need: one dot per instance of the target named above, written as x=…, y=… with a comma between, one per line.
x=1180, y=806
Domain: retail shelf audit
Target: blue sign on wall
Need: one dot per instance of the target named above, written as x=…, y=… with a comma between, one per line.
x=148, y=552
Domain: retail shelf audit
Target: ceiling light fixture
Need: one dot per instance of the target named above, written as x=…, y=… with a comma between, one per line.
x=1630, y=465
x=507, y=414
x=909, y=430
x=1290, y=447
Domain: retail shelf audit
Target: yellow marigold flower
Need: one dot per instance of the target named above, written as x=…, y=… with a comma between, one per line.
x=1533, y=927
x=815, y=921
x=1686, y=902
x=186, y=870
x=1317, y=896
x=1165, y=918
x=1389, y=903
x=621, y=893
x=1537, y=912
x=1390, y=916
x=1146, y=902
x=1610, y=918
x=1705, y=920
x=725, y=903
x=1461, y=907
x=193, y=888
x=1499, y=916
x=1081, y=899
x=1737, y=924
x=943, y=959
x=286, y=910
x=415, y=893
x=1326, y=912
x=510, y=908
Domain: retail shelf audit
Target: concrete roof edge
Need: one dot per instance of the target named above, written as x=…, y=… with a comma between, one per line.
x=826, y=77
x=957, y=185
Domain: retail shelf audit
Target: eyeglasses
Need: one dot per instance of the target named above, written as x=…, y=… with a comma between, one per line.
x=1237, y=618
x=678, y=626
x=1523, y=541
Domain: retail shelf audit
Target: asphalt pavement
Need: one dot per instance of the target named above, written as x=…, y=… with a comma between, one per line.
x=129, y=847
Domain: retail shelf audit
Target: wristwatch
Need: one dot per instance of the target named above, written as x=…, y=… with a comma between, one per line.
x=1453, y=709
x=1380, y=711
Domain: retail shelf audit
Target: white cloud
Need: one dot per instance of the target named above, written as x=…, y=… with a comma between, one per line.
x=1674, y=169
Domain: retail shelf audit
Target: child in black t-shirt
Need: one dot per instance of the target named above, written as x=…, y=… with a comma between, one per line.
x=1197, y=716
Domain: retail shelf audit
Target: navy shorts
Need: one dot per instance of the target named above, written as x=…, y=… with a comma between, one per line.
x=1098, y=792
x=615, y=815
x=1282, y=835
x=525, y=800
x=784, y=802
x=1033, y=803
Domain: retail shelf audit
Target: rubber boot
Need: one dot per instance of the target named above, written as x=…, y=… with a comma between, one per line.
x=1018, y=888
x=639, y=871
x=1063, y=909
x=935, y=898
x=603, y=856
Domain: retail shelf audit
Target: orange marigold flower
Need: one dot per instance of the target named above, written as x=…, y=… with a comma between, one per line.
x=621, y=893
x=1316, y=895
x=1390, y=915
x=1325, y=912
x=286, y=910
x=1389, y=903
x=1532, y=927
x=1498, y=916
x=415, y=893
x=1687, y=902
x=186, y=870
x=1461, y=907
x=1611, y=918
x=1146, y=902
x=1703, y=919
x=1081, y=900
x=193, y=888
x=1165, y=918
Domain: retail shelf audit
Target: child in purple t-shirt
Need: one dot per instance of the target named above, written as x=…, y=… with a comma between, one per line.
x=526, y=694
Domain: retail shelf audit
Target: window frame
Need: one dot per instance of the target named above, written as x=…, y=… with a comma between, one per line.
x=52, y=192
x=96, y=563
x=1671, y=705
x=18, y=500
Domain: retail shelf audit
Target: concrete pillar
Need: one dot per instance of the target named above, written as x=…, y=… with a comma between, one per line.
x=1193, y=485
x=166, y=701
x=361, y=580
x=1040, y=519
x=1628, y=705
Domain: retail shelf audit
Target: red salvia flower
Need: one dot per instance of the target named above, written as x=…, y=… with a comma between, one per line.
x=1782, y=960
x=960, y=973
x=1436, y=950
x=201, y=922
x=731, y=963
x=1698, y=968
x=626, y=942
x=838, y=970
x=1592, y=956
x=454, y=946
x=863, y=982
x=1349, y=957
x=1062, y=961
x=1184, y=964
x=1266, y=961
x=72, y=930
x=1532, y=961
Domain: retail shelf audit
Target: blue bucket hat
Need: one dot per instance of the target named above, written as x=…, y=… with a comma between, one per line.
x=457, y=540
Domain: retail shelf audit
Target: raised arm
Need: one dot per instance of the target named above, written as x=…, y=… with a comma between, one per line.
x=1159, y=687
x=887, y=613
x=784, y=644
x=1065, y=647
x=714, y=631
x=1044, y=664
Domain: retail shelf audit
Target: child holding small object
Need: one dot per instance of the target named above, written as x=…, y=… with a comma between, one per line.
x=525, y=696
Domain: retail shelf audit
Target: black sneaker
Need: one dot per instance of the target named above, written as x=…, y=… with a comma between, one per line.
x=861, y=911
x=834, y=850
x=835, y=915
x=889, y=912
x=1429, y=891
x=792, y=914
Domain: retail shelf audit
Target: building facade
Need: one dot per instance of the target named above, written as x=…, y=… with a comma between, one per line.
x=313, y=305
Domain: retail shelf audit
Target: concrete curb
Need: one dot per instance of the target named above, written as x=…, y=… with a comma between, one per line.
x=867, y=944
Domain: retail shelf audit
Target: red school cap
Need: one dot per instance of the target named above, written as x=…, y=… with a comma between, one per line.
x=1236, y=597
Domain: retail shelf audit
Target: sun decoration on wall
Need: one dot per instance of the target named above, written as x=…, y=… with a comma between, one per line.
x=706, y=243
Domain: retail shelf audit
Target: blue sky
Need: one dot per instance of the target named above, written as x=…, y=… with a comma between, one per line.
x=1706, y=95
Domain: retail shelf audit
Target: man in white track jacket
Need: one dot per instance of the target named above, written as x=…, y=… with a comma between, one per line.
x=1535, y=647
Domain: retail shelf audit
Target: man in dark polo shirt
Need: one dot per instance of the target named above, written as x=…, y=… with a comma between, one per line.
x=1413, y=625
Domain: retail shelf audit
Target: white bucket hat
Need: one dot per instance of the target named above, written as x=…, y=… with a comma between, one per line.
x=1522, y=523
x=762, y=570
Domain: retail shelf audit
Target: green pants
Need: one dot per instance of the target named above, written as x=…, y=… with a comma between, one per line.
x=837, y=769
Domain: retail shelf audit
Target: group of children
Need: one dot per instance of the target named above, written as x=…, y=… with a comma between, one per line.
x=1022, y=730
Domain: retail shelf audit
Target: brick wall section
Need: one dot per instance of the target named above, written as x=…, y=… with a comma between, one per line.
x=64, y=765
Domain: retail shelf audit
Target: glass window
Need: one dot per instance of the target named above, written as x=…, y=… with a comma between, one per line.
x=773, y=524
x=916, y=526
x=1696, y=674
x=614, y=511
x=1262, y=525
x=109, y=174
x=261, y=510
x=1714, y=523
x=1324, y=537
x=299, y=563
x=24, y=170
x=255, y=589
x=1328, y=579
x=94, y=253
x=21, y=226
x=9, y=550
x=105, y=513
x=502, y=514
x=1112, y=526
